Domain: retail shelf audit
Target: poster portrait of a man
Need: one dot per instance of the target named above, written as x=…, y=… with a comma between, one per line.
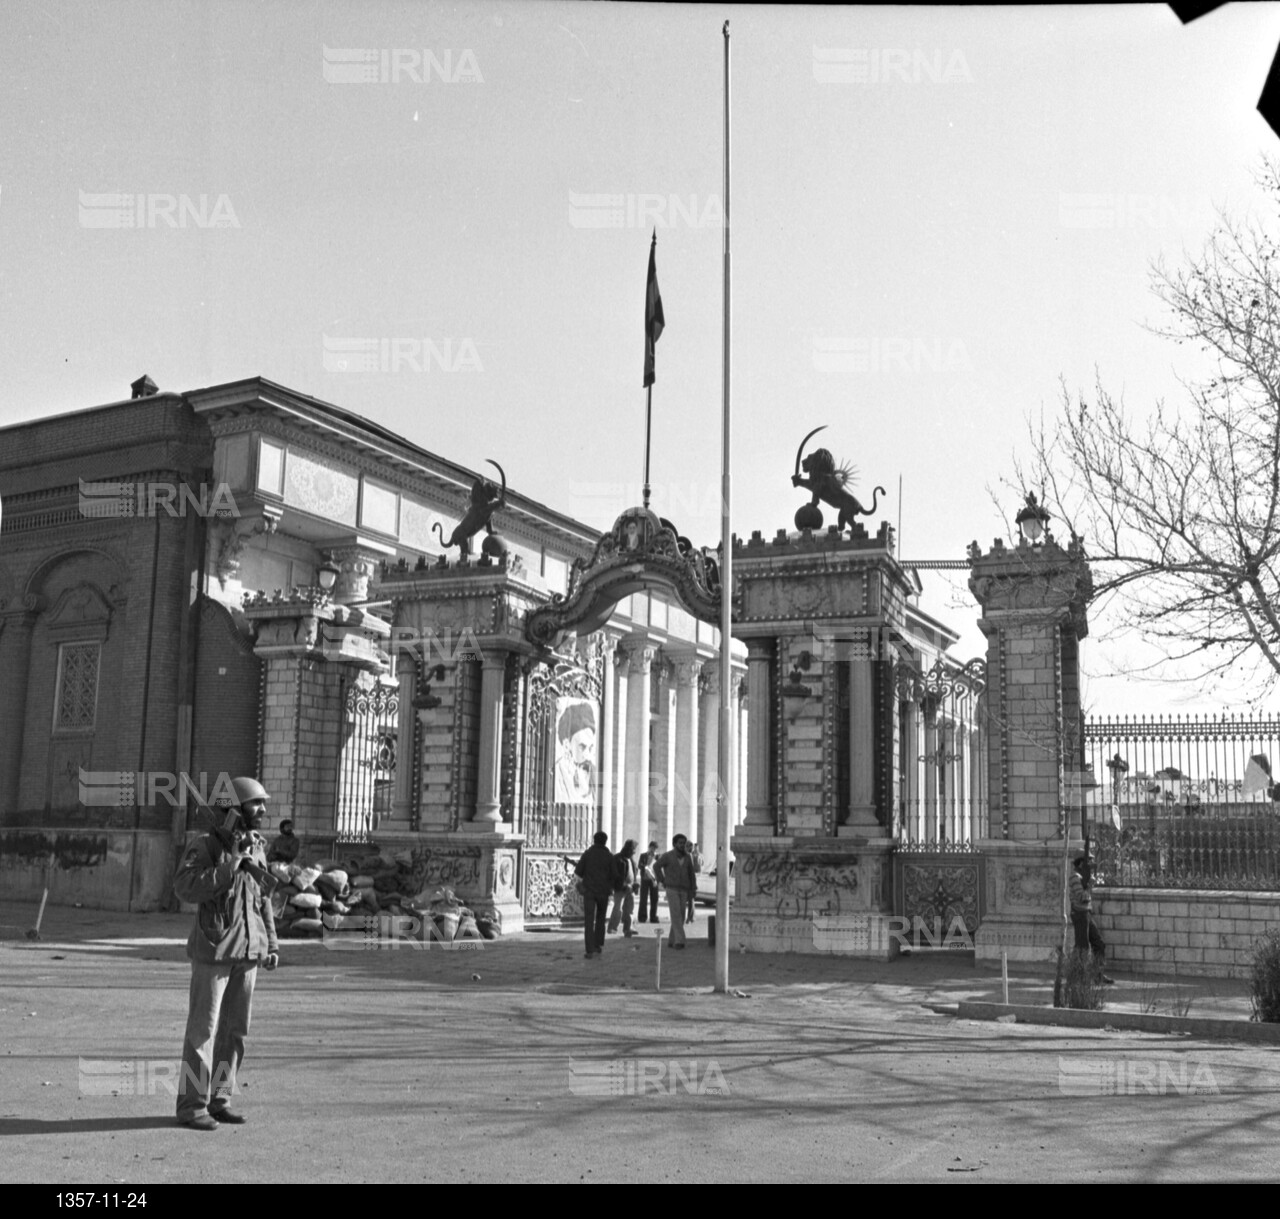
x=576, y=752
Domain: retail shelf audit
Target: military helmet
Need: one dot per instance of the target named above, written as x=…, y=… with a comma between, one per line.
x=248, y=789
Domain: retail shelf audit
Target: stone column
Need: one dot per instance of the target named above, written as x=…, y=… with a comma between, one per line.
x=604, y=759
x=635, y=808
x=406, y=673
x=862, y=752
x=1032, y=598
x=663, y=762
x=621, y=733
x=912, y=828
x=709, y=721
x=684, y=802
x=736, y=769
x=761, y=815
x=489, y=763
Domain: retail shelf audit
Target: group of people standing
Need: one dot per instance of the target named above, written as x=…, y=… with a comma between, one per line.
x=605, y=877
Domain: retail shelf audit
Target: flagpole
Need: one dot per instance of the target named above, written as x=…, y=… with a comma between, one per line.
x=653, y=325
x=724, y=770
x=648, y=428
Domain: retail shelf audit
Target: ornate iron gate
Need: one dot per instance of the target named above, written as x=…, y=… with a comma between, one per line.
x=367, y=757
x=937, y=870
x=560, y=780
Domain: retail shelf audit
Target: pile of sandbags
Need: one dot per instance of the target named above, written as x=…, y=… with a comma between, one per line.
x=313, y=897
x=340, y=894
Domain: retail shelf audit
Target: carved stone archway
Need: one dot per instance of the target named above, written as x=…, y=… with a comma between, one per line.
x=642, y=552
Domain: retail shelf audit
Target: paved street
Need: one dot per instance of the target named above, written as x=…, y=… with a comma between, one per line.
x=404, y=1065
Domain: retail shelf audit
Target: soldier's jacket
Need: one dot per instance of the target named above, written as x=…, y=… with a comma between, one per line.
x=234, y=921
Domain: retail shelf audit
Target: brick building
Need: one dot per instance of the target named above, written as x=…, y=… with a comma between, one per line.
x=162, y=622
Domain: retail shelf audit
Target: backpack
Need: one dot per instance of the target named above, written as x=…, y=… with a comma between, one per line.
x=620, y=872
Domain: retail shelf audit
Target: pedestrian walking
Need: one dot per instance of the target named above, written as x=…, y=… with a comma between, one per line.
x=625, y=887
x=595, y=871
x=674, y=871
x=649, y=885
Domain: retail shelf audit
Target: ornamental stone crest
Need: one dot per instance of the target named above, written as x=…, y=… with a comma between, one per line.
x=642, y=551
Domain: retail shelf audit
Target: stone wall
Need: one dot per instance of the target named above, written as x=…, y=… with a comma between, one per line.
x=1181, y=931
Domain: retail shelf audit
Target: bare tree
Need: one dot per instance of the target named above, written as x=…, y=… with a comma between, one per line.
x=1180, y=509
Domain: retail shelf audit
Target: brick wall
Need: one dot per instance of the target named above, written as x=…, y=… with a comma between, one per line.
x=322, y=723
x=227, y=692
x=1024, y=760
x=1179, y=931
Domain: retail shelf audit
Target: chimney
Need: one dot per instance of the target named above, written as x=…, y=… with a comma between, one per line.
x=144, y=387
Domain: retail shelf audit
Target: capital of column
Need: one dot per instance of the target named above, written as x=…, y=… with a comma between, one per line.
x=709, y=680
x=357, y=564
x=687, y=669
x=640, y=656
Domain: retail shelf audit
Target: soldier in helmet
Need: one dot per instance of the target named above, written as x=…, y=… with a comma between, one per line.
x=225, y=873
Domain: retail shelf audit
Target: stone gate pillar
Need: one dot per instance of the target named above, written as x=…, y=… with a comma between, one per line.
x=1033, y=600
x=819, y=614
x=462, y=628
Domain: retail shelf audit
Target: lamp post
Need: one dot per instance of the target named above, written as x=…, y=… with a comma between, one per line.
x=1032, y=521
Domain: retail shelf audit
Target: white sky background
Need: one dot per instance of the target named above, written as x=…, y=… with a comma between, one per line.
x=912, y=263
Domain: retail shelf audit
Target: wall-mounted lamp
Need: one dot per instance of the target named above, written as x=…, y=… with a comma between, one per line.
x=327, y=574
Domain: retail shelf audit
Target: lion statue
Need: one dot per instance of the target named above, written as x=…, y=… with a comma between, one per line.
x=829, y=483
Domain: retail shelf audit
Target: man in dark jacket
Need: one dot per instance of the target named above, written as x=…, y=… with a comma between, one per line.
x=649, y=885
x=675, y=872
x=595, y=870
x=225, y=873
x=1088, y=937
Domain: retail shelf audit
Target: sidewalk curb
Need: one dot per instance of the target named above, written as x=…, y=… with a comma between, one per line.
x=1236, y=1030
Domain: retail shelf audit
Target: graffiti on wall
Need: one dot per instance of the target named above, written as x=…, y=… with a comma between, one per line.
x=802, y=887
x=446, y=867
x=26, y=849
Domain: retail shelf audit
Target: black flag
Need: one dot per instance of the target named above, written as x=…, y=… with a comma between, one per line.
x=653, y=319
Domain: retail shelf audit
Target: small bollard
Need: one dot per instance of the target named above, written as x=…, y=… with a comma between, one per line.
x=711, y=930
x=1004, y=976
x=657, y=981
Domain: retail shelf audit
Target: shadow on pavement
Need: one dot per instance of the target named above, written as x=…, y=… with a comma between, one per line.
x=22, y=1125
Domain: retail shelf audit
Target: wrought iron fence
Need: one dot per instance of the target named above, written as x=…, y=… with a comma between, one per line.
x=1184, y=803
x=943, y=784
x=366, y=759
x=563, y=827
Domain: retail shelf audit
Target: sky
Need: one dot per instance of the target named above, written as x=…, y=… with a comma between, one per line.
x=439, y=216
